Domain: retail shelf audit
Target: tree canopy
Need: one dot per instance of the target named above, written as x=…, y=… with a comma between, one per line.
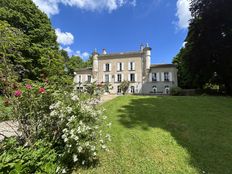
x=40, y=49
x=206, y=57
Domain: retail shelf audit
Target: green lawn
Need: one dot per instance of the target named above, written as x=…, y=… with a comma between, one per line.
x=168, y=135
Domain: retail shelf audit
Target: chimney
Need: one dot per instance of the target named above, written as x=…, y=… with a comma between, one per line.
x=104, y=51
x=141, y=47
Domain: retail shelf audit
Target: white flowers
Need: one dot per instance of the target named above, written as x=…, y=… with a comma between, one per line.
x=69, y=109
x=53, y=113
x=79, y=149
x=81, y=127
x=103, y=146
x=108, y=137
x=75, y=159
x=55, y=105
x=74, y=97
x=109, y=124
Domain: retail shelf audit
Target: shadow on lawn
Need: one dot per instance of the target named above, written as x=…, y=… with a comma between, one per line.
x=202, y=125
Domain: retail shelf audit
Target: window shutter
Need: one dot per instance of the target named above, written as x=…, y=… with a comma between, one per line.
x=170, y=76
x=109, y=78
x=133, y=65
x=80, y=78
x=122, y=77
x=135, y=77
x=150, y=77
x=128, y=66
x=104, y=67
x=110, y=66
x=162, y=76
x=122, y=66
x=128, y=77
x=118, y=66
x=104, y=78
x=158, y=76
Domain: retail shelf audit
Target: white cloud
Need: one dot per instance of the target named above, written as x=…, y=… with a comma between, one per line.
x=69, y=50
x=83, y=55
x=184, y=44
x=64, y=38
x=51, y=7
x=183, y=13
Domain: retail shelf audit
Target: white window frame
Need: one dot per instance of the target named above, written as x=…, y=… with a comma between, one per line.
x=105, y=79
x=118, y=77
x=166, y=76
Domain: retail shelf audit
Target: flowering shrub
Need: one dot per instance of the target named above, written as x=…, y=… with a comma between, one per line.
x=81, y=124
x=71, y=122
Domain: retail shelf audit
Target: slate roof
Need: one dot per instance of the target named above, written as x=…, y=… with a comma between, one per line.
x=163, y=65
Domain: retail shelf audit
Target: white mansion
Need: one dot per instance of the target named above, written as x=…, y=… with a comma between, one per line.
x=134, y=67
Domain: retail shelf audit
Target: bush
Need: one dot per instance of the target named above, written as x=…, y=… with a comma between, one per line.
x=175, y=91
x=71, y=122
x=124, y=86
x=16, y=158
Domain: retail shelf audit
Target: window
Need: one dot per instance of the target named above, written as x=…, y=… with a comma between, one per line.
x=89, y=79
x=119, y=90
x=119, y=78
x=132, y=77
x=107, y=78
x=154, y=77
x=132, y=89
x=107, y=68
x=131, y=66
x=119, y=67
x=154, y=89
x=166, y=76
x=166, y=89
x=80, y=79
x=106, y=88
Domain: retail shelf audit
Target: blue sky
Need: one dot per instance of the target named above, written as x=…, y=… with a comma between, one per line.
x=119, y=25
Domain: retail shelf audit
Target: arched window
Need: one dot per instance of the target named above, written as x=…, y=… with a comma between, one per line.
x=154, y=89
x=166, y=89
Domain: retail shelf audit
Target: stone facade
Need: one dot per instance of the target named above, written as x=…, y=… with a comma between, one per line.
x=134, y=67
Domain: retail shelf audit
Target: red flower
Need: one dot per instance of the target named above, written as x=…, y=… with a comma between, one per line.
x=18, y=93
x=28, y=86
x=41, y=90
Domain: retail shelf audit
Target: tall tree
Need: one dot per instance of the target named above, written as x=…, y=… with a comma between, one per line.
x=36, y=27
x=206, y=57
x=74, y=63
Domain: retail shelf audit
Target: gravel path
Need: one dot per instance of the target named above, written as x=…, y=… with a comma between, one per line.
x=107, y=97
x=8, y=129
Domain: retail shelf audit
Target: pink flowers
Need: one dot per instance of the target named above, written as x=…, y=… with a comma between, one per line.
x=18, y=93
x=28, y=86
x=41, y=90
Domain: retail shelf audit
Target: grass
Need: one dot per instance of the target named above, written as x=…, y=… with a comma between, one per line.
x=169, y=135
